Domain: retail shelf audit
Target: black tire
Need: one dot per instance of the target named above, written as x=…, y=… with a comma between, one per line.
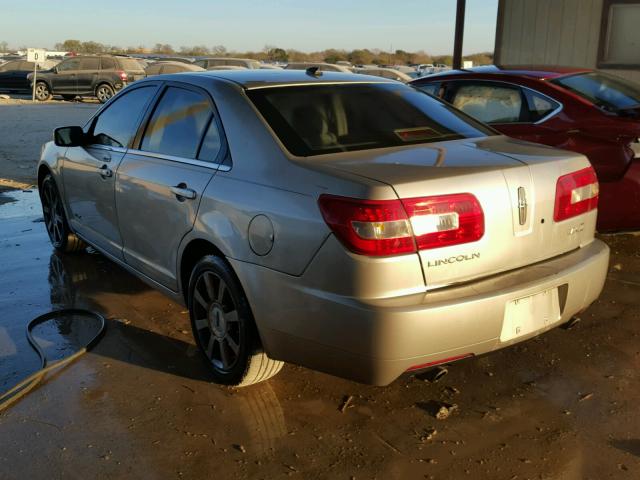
x=55, y=220
x=69, y=97
x=104, y=92
x=223, y=326
x=43, y=93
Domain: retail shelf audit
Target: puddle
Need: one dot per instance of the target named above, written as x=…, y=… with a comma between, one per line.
x=19, y=203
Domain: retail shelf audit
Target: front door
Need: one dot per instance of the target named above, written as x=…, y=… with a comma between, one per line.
x=64, y=80
x=160, y=184
x=89, y=172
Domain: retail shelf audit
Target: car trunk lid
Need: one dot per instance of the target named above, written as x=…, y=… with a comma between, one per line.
x=515, y=184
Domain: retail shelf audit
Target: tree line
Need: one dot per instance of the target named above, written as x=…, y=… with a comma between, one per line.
x=275, y=54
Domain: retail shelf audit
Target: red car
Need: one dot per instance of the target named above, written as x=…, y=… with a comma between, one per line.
x=582, y=110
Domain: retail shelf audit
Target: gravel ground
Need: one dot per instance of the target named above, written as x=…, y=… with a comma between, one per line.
x=25, y=127
x=562, y=406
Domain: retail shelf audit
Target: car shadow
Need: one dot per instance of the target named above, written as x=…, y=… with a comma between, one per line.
x=90, y=281
x=631, y=446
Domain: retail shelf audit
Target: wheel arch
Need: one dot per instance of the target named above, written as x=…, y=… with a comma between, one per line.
x=193, y=251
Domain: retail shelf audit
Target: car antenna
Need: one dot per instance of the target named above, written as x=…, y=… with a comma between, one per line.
x=313, y=71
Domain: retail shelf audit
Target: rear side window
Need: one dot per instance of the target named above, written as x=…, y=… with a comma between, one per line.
x=116, y=126
x=539, y=106
x=178, y=124
x=108, y=63
x=489, y=103
x=130, y=64
x=89, y=64
x=430, y=88
x=316, y=119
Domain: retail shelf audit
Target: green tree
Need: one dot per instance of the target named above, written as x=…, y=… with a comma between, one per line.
x=276, y=54
x=70, y=46
x=91, y=47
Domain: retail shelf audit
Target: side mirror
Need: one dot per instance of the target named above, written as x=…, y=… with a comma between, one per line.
x=69, y=137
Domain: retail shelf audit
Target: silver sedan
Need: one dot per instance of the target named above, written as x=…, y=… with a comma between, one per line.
x=346, y=223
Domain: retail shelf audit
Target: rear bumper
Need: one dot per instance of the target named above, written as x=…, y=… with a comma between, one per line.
x=376, y=340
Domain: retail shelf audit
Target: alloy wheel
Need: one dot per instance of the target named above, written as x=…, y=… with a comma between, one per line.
x=217, y=322
x=42, y=92
x=53, y=213
x=104, y=93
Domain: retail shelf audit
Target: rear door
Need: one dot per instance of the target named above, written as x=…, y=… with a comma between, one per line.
x=87, y=74
x=516, y=111
x=160, y=182
x=89, y=171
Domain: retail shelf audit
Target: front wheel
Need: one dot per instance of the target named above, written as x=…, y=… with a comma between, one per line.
x=55, y=220
x=104, y=92
x=42, y=93
x=224, y=328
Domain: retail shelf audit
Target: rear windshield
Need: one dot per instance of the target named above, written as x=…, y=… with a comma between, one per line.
x=317, y=119
x=605, y=91
x=130, y=64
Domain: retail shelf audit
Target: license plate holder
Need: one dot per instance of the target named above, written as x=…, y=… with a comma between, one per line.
x=525, y=315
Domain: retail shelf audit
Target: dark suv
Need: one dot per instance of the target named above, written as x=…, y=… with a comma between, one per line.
x=98, y=76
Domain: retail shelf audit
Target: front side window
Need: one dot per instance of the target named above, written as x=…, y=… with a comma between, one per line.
x=489, y=103
x=116, y=126
x=315, y=119
x=178, y=124
x=67, y=65
x=605, y=91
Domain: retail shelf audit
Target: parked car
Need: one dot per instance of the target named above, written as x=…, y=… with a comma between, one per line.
x=209, y=63
x=385, y=73
x=13, y=75
x=581, y=110
x=365, y=230
x=158, y=68
x=323, y=67
x=99, y=76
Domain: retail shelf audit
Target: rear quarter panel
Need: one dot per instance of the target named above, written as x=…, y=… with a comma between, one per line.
x=263, y=180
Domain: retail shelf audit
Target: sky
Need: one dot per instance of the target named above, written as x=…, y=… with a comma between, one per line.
x=242, y=25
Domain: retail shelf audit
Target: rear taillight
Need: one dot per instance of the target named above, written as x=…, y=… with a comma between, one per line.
x=576, y=193
x=123, y=76
x=392, y=227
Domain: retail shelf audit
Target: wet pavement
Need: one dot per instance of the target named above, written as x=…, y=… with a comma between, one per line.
x=140, y=405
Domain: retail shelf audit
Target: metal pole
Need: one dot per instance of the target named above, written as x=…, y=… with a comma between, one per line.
x=35, y=74
x=459, y=35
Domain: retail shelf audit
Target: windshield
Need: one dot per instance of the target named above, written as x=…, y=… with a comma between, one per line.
x=605, y=91
x=316, y=119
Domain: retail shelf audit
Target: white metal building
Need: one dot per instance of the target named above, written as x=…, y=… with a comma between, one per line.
x=603, y=34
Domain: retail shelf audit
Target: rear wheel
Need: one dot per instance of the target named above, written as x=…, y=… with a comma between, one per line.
x=104, y=92
x=224, y=328
x=42, y=93
x=55, y=220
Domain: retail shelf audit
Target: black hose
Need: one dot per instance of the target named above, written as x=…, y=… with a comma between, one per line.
x=22, y=388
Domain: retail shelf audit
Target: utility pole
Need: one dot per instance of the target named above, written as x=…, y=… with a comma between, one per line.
x=459, y=35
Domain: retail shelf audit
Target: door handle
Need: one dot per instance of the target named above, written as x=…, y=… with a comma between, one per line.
x=105, y=171
x=182, y=192
x=105, y=157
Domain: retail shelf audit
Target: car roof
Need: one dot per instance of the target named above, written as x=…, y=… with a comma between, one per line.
x=531, y=71
x=258, y=78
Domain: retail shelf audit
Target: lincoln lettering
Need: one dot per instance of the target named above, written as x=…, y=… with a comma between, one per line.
x=458, y=258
